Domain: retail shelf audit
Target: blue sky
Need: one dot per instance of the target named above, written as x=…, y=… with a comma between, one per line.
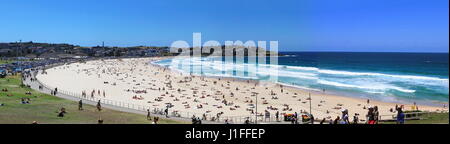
x=298, y=25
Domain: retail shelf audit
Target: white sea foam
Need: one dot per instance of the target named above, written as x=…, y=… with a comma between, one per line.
x=348, y=73
x=228, y=75
x=303, y=68
x=367, y=87
x=300, y=87
x=334, y=72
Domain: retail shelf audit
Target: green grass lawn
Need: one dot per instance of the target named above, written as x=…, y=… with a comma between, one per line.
x=432, y=118
x=5, y=61
x=44, y=109
x=11, y=61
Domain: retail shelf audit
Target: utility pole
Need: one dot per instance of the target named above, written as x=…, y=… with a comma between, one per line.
x=310, y=112
x=256, y=109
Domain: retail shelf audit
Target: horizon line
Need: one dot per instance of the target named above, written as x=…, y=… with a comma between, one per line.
x=279, y=51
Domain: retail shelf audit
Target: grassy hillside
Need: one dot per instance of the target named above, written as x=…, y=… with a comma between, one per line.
x=44, y=108
x=5, y=61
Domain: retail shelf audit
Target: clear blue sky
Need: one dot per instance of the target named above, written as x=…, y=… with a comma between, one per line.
x=298, y=25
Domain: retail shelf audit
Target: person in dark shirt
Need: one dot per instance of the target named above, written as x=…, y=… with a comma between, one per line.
x=99, y=106
x=148, y=115
x=400, y=116
x=80, y=105
x=277, y=115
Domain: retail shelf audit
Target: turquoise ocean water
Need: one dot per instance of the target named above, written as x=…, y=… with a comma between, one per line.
x=390, y=77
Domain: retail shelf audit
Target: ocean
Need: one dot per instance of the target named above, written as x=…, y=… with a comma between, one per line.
x=388, y=77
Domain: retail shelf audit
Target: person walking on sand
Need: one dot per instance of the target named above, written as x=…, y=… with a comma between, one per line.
x=166, y=112
x=99, y=106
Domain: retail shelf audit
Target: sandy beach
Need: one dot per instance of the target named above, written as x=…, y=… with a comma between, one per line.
x=137, y=81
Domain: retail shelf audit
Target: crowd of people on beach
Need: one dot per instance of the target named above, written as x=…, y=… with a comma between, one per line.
x=227, y=95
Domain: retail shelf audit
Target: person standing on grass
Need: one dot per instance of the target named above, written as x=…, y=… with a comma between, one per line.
x=80, y=105
x=148, y=115
x=400, y=116
x=99, y=106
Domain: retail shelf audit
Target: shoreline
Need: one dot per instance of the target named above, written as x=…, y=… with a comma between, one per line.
x=352, y=104
x=395, y=100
